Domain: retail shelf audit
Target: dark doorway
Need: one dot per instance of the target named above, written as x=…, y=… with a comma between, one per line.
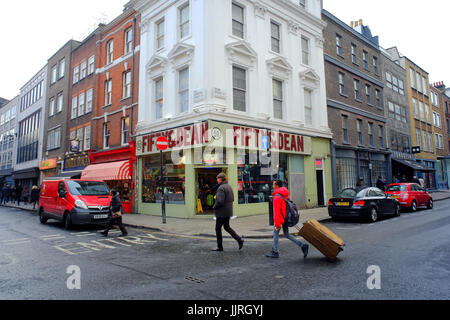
x=320, y=192
x=207, y=187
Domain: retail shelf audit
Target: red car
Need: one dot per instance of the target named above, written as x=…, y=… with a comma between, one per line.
x=410, y=195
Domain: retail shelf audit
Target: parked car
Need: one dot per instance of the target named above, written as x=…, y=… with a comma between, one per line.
x=369, y=203
x=410, y=195
x=74, y=202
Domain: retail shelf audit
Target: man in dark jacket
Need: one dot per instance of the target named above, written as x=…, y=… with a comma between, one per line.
x=116, y=214
x=380, y=184
x=224, y=211
x=18, y=194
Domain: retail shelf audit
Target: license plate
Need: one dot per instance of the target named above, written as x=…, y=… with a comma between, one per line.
x=343, y=204
x=101, y=216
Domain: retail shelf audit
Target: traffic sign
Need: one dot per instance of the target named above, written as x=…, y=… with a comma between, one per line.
x=162, y=143
x=265, y=142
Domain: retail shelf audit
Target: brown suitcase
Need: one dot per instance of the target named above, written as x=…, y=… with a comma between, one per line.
x=329, y=244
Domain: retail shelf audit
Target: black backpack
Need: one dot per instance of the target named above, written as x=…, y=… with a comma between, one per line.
x=292, y=216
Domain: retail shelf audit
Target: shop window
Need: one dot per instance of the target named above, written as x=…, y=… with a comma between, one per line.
x=254, y=185
x=174, y=180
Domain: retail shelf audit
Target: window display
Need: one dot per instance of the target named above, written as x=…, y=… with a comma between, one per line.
x=174, y=180
x=254, y=185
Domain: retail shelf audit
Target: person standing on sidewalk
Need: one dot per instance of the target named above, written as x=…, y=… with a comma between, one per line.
x=5, y=191
x=116, y=210
x=18, y=194
x=223, y=209
x=279, y=214
x=34, y=196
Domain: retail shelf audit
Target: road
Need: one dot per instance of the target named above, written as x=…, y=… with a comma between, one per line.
x=411, y=253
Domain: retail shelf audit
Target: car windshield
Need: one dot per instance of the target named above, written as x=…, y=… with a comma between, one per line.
x=88, y=188
x=396, y=188
x=348, y=193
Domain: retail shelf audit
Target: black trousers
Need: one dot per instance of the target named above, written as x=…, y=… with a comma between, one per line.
x=225, y=223
x=118, y=222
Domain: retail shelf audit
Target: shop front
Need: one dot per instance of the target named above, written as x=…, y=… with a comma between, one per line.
x=26, y=179
x=115, y=167
x=48, y=168
x=198, y=152
x=74, y=164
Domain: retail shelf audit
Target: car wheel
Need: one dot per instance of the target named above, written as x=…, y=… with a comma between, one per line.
x=397, y=211
x=67, y=222
x=414, y=206
x=42, y=217
x=373, y=215
x=430, y=204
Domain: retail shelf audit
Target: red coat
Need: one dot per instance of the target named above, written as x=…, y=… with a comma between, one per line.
x=279, y=206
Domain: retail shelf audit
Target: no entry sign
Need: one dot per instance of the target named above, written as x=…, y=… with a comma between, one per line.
x=162, y=143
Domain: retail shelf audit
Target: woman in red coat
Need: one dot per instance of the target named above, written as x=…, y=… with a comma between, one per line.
x=279, y=215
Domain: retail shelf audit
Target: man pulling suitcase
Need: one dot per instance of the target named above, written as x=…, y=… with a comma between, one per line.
x=279, y=213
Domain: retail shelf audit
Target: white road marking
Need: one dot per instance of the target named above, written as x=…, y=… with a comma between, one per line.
x=16, y=243
x=15, y=240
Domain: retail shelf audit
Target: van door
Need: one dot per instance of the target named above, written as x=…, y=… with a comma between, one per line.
x=61, y=204
x=48, y=196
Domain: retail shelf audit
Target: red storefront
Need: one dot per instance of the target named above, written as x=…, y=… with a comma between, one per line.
x=115, y=167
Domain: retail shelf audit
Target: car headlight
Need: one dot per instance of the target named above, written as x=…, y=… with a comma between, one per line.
x=80, y=204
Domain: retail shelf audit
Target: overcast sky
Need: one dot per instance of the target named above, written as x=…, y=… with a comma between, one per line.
x=419, y=29
x=29, y=37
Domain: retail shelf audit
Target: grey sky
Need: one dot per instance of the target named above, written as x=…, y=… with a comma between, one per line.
x=418, y=29
x=32, y=31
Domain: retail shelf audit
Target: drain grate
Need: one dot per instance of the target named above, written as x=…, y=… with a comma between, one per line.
x=194, y=280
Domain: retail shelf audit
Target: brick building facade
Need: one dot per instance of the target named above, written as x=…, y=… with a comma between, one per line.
x=57, y=106
x=355, y=102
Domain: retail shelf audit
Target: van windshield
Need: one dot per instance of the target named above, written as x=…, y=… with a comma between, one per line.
x=87, y=188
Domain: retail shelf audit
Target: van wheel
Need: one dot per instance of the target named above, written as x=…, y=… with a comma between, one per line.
x=67, y=222
x=42, y=217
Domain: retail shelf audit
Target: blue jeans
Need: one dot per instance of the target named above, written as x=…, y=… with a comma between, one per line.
x=276, y=236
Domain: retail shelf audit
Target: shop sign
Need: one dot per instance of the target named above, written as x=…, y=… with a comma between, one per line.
x=75, y=162
x=191, y=136
x=48, y=164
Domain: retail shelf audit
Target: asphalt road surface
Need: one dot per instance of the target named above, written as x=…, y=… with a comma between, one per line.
x=398, y=258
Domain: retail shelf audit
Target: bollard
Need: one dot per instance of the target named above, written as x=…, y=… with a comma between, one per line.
x=271, y=220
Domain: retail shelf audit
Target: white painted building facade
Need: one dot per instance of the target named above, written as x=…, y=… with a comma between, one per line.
x=258, y=64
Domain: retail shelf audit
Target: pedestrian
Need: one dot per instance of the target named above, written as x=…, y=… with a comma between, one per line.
x=279, y=215
x=223, y=210
x=4, y=194
x=404, y=179
x=26, y=194
x=380, y=184
x=422, y=182
x=415, y=180
x=18, y=194
x=116, y=211
x=359, y=185
x=35, y=196
x=396, y=180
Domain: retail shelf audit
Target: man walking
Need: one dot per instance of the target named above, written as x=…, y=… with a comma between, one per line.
x=116, y=214
x=19, y=194
x=223, y=209
x=279, y=214
x=5, y=191
x=380, y=184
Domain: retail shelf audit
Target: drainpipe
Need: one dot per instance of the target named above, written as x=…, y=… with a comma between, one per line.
x=135, y=190
x=333, y=167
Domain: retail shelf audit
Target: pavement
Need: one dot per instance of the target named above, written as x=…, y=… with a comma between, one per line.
x=251, y=227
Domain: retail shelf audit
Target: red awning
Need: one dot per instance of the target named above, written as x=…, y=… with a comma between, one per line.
x=108, y=171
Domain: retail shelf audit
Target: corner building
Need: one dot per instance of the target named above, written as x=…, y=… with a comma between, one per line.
x=231, y=73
